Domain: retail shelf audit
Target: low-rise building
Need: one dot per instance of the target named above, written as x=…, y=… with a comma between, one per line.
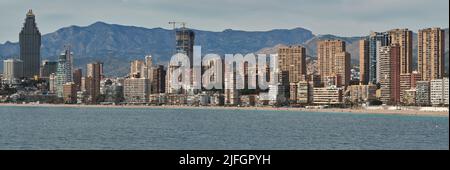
x=409, y=97
x=248, y=100
x=217, y=99
x=439, y=92
x=423, y=93
x=277, y=94
x=136, y=90
x=362, y=93
x=327, y=95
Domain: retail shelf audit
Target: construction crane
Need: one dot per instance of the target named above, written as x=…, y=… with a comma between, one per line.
x=174, y=23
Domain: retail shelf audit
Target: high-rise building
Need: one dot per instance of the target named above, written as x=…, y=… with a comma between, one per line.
x=63, y=71
x=158, y=79
x=293, y=93
x=47, y=68
x=430, y=54
x=136, y=90
x=12, y=71
x=376, y=40
x=342, y=68
x=231, y=92
x=292, y=60
x=77, y=74
x=69, y=93
x=333, y=60
x=439, y=92
x=364, y=61
x=136, y=68
x=170, y=77
x=403, y=38
x=303, y=92
x=30, y=46
x=148, y=61
x=277, y=94
x=423, y=93
x=213, y=71
x=93, y=78
x=407, y=82
x=52, y=83
x=185, y=42
x=389, y=57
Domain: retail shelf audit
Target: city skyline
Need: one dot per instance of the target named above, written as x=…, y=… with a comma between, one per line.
x=290, y=83
x=336, y=17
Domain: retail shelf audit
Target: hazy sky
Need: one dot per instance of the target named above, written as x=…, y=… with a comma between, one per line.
x=339, y=17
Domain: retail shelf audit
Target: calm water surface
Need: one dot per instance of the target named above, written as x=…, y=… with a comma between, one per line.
x=150, y=128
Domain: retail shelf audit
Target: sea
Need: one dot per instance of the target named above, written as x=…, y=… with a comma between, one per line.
x=103, y=128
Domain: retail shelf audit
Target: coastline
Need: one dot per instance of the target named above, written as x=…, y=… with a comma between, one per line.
x=326, y=110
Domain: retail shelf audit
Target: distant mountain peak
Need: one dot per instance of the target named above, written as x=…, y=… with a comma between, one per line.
x=99, y=23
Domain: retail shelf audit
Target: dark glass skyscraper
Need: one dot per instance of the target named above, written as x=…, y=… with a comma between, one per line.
x=30, y=44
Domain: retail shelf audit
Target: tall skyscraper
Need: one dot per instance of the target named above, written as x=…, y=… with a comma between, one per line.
x=185, y=42
x=403, y=37
x=390, y=74
x=376, y=41
x=292, y=60
x=30, y=45
x=430, y=54
x=93, y=78
x=64, y=71
x=333, y=60
x=364, y=61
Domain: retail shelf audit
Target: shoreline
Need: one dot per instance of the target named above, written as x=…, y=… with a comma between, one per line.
x=326, y=110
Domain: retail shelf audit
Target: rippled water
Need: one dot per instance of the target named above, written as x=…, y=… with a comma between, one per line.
x=150, y=128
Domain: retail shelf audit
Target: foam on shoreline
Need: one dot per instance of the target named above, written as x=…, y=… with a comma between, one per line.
x=333, y=110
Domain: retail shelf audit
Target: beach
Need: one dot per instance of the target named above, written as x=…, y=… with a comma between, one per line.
x=268, y=108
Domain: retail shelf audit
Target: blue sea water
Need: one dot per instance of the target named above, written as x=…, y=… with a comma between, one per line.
x=152, y=128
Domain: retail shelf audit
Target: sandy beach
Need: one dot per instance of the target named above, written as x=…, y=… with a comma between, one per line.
x=333, y=110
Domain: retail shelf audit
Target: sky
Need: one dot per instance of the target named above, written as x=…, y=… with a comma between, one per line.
x=338, y=17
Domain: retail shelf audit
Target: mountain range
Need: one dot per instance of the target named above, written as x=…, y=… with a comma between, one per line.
x=117, y=45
